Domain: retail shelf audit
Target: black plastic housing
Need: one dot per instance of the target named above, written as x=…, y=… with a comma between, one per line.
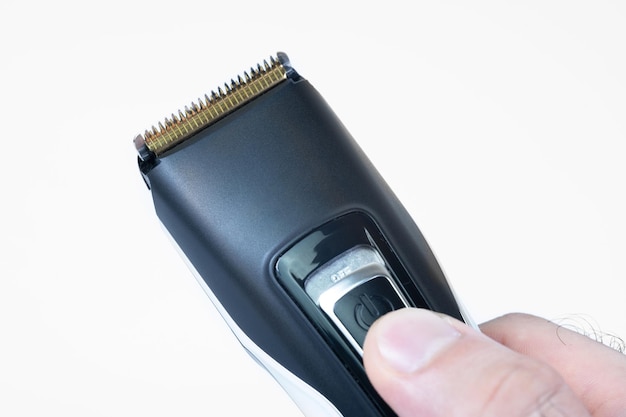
x=242, y=192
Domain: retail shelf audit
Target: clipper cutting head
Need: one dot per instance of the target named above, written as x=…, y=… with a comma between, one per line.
x=213, y=107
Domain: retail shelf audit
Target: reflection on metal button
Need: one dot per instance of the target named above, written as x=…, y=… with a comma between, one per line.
x=359, y=308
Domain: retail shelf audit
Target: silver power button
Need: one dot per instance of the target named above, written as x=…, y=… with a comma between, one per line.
x=353, y=290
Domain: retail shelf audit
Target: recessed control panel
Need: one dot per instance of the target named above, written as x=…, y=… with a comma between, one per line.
x=345, y=275
x=354, y=290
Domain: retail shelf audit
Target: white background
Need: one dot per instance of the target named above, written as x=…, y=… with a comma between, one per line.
x=501, y=128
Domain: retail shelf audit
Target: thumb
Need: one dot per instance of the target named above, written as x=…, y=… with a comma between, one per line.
x=428, y=365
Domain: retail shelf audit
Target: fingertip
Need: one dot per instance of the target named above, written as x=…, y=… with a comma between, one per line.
x=408, y=340
x=426, y=364
x=403, y=344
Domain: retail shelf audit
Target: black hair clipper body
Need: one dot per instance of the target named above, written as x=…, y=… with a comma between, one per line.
x=292, y=233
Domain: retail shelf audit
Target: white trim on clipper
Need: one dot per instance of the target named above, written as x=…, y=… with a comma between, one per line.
x=308, y=400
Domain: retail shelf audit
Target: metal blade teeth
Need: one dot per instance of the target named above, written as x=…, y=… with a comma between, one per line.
x=214, y=106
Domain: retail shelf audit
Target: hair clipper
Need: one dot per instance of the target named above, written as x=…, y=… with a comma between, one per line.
x=291, y=231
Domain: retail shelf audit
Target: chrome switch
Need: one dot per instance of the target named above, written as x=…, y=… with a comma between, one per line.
x=353, y=290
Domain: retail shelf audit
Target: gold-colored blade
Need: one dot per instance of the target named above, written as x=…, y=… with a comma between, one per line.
x=214, y=106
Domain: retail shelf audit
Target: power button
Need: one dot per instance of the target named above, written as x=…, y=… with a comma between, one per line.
x=361, y=306
x=353, y=290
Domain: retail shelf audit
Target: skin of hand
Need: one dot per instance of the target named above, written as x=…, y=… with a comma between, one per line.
x=424, y=364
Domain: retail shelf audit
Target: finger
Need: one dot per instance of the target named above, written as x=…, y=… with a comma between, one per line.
x=595, y=372
x=428, y=366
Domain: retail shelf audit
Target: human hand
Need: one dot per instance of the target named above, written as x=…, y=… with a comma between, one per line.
x=428, y=365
